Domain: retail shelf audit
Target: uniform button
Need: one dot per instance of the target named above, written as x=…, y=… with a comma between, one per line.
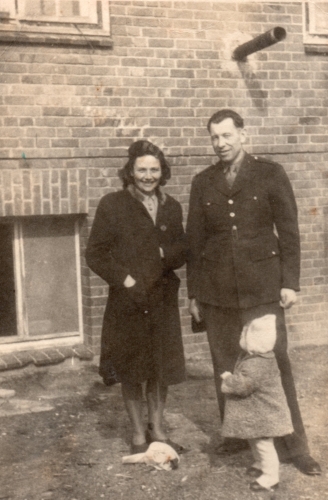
x=232, y=214
x=163, y=228
x=255, y=197
x=230, y=202
x=273, y=252
x=234, y=228
x=146, y=312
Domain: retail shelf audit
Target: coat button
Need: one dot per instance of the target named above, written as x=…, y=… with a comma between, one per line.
x=273, y=252
x=255, y=197
x=230, y=202
x=146, y=312
x=232, y=214
x=163, y=228
x=208, y=203
x=234, y=228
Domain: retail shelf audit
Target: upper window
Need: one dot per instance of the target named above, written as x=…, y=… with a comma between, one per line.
x=78, y=22
x=316, y=26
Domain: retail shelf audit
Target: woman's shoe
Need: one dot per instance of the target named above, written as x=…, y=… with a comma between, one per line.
x=255, y=486
x=177, y=447
x=139, y=448
x=253, y=472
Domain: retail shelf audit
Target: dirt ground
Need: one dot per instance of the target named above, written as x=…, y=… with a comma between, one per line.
x=63, y=435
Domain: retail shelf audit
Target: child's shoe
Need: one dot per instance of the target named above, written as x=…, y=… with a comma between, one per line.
x=255, y=486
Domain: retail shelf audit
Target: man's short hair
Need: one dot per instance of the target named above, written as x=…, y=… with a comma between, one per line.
x=222, y=114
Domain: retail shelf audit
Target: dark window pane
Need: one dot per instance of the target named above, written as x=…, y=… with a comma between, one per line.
x=7, y=283
x=50, y=276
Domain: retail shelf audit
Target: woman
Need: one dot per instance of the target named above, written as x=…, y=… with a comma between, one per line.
x=136, y=242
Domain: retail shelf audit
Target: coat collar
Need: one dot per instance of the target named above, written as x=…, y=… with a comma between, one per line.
x=245, y=174
x=138, y=195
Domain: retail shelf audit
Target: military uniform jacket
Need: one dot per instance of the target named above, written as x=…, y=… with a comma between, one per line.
x=243, y=241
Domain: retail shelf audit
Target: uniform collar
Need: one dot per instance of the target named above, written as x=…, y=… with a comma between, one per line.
x=245, y=174
x=236, y=164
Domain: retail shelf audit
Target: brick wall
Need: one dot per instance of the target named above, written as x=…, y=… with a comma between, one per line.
x=70, y=109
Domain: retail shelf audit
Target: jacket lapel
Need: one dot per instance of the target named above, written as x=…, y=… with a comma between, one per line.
x=218, y=180
x=245, y=175
x=161, y=216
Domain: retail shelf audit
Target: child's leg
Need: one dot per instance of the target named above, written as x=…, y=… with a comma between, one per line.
x=257, y=457
x=269, y=462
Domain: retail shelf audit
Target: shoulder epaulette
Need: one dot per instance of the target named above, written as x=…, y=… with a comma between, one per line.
x=261, y=159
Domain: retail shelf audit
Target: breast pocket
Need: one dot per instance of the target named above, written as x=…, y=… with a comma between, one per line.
x=250, y=206
x=216, y=213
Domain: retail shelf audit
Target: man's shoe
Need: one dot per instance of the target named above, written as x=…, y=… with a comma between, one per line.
x=307, y=465
x=230, y=446
x=254, y=472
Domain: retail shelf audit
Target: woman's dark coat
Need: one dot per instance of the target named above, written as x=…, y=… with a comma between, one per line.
x=141, y=333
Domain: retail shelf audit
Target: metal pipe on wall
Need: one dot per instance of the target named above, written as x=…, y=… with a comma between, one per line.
x=260, y=42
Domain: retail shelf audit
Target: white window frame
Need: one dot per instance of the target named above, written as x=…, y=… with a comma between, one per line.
x=22, y=337
x=88, y=13
x=91, y=28
x=315, y=39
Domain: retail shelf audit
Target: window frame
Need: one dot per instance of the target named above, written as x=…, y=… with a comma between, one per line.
x=23, y=336
x=16, y=27
x=315, y=40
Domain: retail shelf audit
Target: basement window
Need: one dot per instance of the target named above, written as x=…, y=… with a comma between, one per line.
x=68, y=22
x=315, y=26
x=40, y=280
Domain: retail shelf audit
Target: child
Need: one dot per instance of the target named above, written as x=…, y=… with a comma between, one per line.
x=256, y=407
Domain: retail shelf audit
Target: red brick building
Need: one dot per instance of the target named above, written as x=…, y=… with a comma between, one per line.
x=81, y=80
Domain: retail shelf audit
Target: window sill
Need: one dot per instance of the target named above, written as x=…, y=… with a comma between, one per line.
x=315, y=44
x=50, y=37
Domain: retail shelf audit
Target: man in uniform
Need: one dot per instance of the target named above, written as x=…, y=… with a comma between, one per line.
x=244, y=262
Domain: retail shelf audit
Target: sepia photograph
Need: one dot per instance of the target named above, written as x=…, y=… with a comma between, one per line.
x=163, y=249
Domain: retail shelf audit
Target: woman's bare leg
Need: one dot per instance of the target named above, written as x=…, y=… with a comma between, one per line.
x=132, y=396
x=156, y=399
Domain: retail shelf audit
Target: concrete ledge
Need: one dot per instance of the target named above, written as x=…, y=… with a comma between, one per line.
x=44, y=357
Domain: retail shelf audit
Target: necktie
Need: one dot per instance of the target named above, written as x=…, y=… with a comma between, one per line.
x=231, y=175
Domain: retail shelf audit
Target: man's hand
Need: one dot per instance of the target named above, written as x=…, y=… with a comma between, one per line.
x=288, y=298
x=194, y=310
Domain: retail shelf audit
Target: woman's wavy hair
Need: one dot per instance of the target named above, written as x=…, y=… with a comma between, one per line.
x=143, y=148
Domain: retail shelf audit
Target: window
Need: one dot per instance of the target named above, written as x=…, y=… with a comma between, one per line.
x=40, y=291
x=75, y=22
x=315, y=15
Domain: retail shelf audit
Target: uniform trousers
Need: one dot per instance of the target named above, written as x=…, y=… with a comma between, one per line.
x=224, y=326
